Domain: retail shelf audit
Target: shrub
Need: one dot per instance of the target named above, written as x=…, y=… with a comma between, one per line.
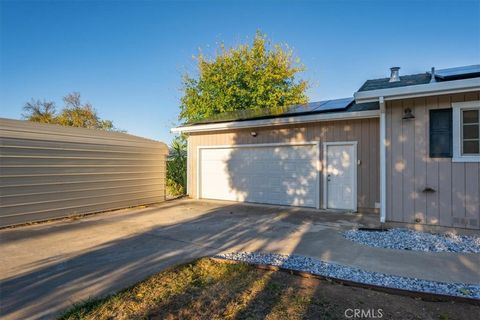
x=177, y=167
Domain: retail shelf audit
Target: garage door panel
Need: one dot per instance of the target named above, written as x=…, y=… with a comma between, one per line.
x=285, y=175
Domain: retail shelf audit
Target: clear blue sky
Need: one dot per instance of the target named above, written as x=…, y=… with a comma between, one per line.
x=127, y=57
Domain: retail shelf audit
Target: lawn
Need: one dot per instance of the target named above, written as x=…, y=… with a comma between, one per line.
x=205, y=289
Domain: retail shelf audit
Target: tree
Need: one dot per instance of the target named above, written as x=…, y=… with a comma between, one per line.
x=40, y=111
x=76, y=114
x=73, y=114
x=256, y=76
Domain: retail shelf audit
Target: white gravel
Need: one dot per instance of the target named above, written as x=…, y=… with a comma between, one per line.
x=405, y=239
x=338, y=271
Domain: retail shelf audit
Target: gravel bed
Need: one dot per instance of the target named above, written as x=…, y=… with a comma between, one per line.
x=405, y=239
x=333, y=270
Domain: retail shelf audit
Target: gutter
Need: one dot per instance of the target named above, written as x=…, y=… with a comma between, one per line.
x=278, y=121
x=421, y=90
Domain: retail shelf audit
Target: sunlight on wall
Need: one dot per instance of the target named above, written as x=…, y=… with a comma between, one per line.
x=400, y=166
x=345, y=159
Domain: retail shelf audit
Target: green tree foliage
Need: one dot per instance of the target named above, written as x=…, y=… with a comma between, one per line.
x=74, y=113
x=256, y=76
x=177, y=167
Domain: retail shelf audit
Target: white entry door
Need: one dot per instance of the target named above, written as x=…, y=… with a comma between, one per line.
x=341, y=175
x=274, y=174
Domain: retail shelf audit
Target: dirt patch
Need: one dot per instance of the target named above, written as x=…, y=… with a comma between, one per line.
x=205, y=289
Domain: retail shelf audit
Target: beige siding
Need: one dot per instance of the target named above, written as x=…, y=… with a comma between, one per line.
x=49, y=171
x=364, y=131
x=455, y=202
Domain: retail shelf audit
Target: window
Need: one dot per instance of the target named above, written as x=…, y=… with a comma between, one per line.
x=441, y=133
x=470, y=132
x=466, y=132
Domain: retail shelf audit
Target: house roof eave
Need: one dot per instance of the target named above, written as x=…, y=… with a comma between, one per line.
x=234, y=125
x=422, y=90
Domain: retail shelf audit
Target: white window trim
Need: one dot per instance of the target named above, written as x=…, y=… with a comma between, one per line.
x=457, y=108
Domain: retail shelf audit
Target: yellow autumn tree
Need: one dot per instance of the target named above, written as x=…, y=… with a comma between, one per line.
x=74, y=113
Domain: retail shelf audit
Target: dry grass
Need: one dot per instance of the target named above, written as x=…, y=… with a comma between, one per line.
x=205, y=289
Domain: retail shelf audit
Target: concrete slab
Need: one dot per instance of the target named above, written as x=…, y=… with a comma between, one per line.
x=48, y=267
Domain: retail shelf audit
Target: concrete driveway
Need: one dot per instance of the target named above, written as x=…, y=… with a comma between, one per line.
x=48, y=267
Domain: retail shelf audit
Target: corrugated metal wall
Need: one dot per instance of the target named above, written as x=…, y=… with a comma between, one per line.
x=50, y=171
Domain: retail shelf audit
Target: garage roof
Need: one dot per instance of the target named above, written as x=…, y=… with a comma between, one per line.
x=325, y=106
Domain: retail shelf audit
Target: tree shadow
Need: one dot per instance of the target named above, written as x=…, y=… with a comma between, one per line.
x=273, y=174
x=54, y=284
x=285, y=175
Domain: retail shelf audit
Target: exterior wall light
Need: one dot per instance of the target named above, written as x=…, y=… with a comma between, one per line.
x=253, y=134
x=407, y=114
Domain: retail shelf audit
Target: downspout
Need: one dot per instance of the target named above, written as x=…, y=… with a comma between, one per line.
x=383, y=162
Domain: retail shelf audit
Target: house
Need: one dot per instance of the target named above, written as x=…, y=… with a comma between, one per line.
x=404, y=146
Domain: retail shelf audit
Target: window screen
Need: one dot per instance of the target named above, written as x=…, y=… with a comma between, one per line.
x=441, y=133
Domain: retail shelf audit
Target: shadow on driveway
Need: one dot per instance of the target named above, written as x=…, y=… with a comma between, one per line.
x=56, y=282
x=49, y=267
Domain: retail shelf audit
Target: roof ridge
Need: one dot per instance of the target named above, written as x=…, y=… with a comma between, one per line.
x=407, y=75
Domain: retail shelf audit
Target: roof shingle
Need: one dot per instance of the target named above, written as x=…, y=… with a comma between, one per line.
x=449, y=74
x=409, y=80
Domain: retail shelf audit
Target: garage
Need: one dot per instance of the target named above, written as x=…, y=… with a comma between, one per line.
x=284, y=174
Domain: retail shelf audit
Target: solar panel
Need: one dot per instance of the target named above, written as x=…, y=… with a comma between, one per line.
x=299, y=108
x=320, y=106
x=458, y=71
x=325, y=105
x=334, y=104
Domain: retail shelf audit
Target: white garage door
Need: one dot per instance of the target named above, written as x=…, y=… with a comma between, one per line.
x=279, y=174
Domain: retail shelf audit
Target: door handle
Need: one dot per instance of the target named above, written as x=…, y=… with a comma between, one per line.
x=328, y=177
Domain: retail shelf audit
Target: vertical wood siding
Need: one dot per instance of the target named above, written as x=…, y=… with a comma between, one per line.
x=365, y=131
x=49, y=171
x=456, y=200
